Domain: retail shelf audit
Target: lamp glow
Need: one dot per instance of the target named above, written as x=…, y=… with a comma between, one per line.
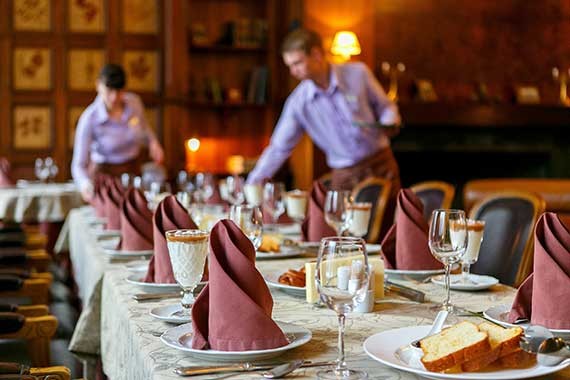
x=193, y=144
x=345, y=44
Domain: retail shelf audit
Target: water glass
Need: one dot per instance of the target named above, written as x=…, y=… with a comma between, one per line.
x=204, y=187
x=337, y=210
x=234, y=185
x=447, y=242
x=188, y=250
x=250, y=221
x=273, y=200
x=335, y=254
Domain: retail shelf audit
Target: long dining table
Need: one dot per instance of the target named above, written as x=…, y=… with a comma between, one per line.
x=127, y=337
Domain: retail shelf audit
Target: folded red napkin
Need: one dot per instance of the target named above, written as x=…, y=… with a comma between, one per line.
x=314, y=227
x=97, y=201
x=543, y=296
x=169, y=215
x=112, y=196
x=5, y=173
x=136, y=222
x=405, y=245
x=233, y=312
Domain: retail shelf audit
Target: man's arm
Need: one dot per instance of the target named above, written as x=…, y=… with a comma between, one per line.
x=80, y=161
x=384, y=108
x=286, y=135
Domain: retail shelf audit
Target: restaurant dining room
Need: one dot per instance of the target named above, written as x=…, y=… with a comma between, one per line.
x=304, y=189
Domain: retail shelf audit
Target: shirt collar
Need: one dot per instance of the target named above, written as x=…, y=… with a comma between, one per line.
x=102, y=115
x=335, y=81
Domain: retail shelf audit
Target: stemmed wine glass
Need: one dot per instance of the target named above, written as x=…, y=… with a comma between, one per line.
x=351, y=252
x=447, y=242
x=41, y=169
x=204, y=183
x=273, y=200
x=337, y=210
x=250, y=221
x=234, y=185
x=188, y=250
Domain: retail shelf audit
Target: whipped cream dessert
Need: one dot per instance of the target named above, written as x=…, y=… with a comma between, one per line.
x=296, y=202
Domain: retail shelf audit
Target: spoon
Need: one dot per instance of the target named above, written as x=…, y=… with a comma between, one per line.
x=552, y=352
x=283, y=369
x=533, y=337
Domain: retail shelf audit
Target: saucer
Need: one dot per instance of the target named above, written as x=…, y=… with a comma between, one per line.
x=165, y=313
x=455, y=282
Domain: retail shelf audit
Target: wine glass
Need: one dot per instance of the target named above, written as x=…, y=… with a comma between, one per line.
x=250, y=221
x=204, y=183
x=41, y=170
x=447, y=242
x=361, y=212
x=337, y=210
x=336, y=253
x=188, y=250
x=273, y=202
x=234, y=185
x=475, y=230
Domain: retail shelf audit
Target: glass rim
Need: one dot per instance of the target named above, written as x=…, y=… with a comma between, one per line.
x=448, y=210
x=187, y=232
x=351, y=239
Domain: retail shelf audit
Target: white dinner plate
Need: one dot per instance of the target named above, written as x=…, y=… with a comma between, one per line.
x=280, y=255
x=165, y=313
x=118, y=254
x=414, y=274
x=500, y=314
x=105, y=234
x=137, y=266
x=151, y=287
x=382, y=347
x=480, y=282
x=272, y=279
x=180, y=338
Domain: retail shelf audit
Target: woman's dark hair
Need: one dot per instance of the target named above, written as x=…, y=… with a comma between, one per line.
x=113, y=76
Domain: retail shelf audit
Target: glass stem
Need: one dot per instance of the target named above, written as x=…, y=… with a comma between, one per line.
x=446, y=303
x=340, y=363
x=465, y=268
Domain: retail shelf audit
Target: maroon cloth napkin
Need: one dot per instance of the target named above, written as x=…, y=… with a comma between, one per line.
x=233, y=312
x=136, y=222
x=112, y=196
x=169, y=215
x=314, y=227
x=100, y=183
x=405, y=245
x=543, y=296
x=5, y=173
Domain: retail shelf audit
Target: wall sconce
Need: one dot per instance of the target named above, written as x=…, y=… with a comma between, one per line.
x=392, y=72
x=345, y=44
x=562, y=78
x=192, y=145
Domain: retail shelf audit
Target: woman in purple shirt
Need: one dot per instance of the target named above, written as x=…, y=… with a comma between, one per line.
x=341, y=108
x=111, y=132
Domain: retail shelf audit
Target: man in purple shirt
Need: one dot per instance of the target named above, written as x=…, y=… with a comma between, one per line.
x=343, y=109
x=111, y=132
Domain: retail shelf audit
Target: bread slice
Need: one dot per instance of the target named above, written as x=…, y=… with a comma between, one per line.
x=517, y=359
x=503, y=342
x=453, y=345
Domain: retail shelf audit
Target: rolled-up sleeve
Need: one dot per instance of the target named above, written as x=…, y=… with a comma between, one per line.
x=286, y=135
x=80, y=162
x=384, y=108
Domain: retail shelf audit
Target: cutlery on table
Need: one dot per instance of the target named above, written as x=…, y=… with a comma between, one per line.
x=550, y=350
x=462, y=312
x=155, y=296
x=244, y=367
x=404, y=291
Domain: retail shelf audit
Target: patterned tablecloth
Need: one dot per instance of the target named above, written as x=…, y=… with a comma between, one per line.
x=130, y=342
x=35, y=202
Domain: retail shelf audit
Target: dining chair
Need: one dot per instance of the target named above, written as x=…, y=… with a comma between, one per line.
x=507, y=248
x=376, y=191
x=24, y=372
x=434, y=195
x=34, y=289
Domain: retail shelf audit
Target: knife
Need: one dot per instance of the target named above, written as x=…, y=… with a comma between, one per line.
x=242, y=367
x=155, y=296
x=404, y=291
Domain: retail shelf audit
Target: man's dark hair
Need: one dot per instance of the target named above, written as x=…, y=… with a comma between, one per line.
x=301, y=39
x=113, y=76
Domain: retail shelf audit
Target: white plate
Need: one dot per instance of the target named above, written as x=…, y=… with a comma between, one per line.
x=500, y=314
x=117, y=254
x=137, y=266
x=279, y=255
x=164, y=313
x=94, y=220
x=272, y=279
x=382, y=347
x=481, y=282
x=180, y=337
x=151, y=287
x=415, y=274
x=105, y=234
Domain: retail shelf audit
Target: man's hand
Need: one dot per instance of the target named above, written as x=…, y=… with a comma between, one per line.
x=156, y=152
x=87, y=192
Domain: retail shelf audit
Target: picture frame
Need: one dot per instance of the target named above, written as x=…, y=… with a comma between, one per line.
x=32, y=67
x=86, y=16
x=83, y=68
x=141, y=67
x=31, y=15
x=32, y=127
x=140, y=16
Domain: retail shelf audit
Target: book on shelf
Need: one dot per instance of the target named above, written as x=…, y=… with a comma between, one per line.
x=257, y=88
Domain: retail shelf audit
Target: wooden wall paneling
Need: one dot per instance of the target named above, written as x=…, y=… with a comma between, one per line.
x=5, y=93
x=59, y=151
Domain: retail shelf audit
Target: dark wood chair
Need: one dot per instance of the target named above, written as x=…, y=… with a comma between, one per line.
x=507, y=249
x=434, y=195
x=376, y=191
x=24, y=372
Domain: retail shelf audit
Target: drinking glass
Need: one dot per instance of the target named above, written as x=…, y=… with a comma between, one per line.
x=475, y=230
x=337, y=210
x=204, y=183
x=334, y=253
x=250, y=220
x=447, y=242
x=188, y=250
x=234, y=184
x=297, y=205
x=273, y=202
x=361, y=212
x=41, y=170
x=253, y=194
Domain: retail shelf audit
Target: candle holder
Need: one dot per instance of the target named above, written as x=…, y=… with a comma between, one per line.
x=393, y=72
x=562, y=79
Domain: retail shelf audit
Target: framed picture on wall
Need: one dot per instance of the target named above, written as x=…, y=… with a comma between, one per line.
x=86, y=16
x=83, y=68
x=31, y=69
x=140, y=16
x=73, y=115
x=31, y=128
x=31, y=15
x=142, y=70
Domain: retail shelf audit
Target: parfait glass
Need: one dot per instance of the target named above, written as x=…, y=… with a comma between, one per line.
x=447, y=242
x=250, y=221
x=188, y=250
x=351, y=252
x=475, y=229
x=338, y=214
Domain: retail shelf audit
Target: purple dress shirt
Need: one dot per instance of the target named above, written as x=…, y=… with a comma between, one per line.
x=99, y=139
x=331, y=117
